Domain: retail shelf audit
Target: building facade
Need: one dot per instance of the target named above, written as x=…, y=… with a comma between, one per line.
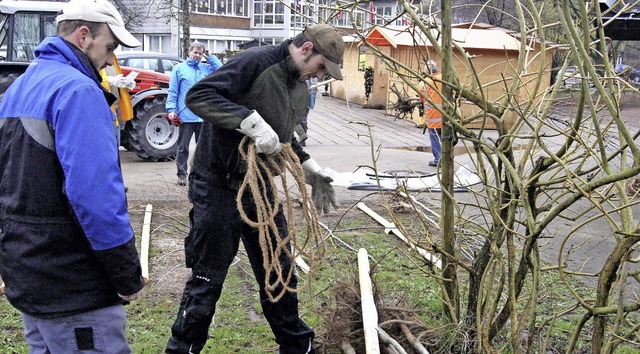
x=225, y=25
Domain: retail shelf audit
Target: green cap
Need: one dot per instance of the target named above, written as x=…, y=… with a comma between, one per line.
x=328, y=42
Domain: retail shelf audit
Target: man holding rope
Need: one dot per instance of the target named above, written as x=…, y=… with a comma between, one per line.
x=260, y=95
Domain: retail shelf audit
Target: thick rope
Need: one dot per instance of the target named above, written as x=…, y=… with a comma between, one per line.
x=260, y=177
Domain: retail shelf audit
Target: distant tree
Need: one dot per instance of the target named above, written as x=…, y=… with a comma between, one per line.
x=181, y=11
x=135, y=12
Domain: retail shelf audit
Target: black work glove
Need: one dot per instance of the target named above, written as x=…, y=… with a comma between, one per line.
x=321, y=189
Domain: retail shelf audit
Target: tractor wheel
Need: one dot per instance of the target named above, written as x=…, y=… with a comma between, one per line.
x=124, y=138
x=149, y=133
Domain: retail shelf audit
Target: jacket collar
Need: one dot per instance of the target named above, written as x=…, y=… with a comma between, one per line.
x=58, y=49
x=192, y=63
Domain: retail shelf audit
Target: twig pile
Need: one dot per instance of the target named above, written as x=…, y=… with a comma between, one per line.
x=344, y=328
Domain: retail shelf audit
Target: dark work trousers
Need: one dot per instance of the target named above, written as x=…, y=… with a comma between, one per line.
x=186, y=131
x=210, y=247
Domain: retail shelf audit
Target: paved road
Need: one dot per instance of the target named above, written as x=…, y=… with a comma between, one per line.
x=340, y=137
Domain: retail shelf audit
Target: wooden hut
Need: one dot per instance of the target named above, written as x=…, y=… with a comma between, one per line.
x=494, y=51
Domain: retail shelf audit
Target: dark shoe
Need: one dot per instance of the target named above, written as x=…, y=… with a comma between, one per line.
x=126, y=189
x=433, y=163
x=182, y=181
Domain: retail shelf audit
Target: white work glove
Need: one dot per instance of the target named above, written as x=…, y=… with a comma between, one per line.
x=121, y=82
x=321, y=189
x=266, y=140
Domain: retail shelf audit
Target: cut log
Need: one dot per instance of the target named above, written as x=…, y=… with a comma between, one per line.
x=417, y=346
x=389, y=227
x=304, y=267
x=347, y=348
x=390, y=342
x=144, y=243
x=369, y=311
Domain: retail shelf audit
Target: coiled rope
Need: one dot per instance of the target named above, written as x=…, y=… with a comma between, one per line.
x=258, y=181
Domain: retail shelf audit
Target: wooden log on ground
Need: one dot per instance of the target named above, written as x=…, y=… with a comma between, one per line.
x=304, y=267
x=417, y=346
x=389, y=227
x=144, y=243
x=369, y=311
x=1, y=287
x=347, y=348
x=392, y=343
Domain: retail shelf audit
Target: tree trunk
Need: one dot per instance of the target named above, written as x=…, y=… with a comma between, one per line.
x=448, y=221
x=185, y=21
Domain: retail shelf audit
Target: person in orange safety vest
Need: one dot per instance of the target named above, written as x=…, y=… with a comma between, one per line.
x=431, y=87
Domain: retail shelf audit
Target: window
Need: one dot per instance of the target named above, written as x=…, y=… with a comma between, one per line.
x=240, y=8
x=341, y=19
x=26, y=36
x=324, y=8
x=201, y=6
x=346, y=18
x=383, y=14
x=402, y=20
x=303, y=15
x=49, y=25
x=168, y=64
x=4, y=27
x=143, y=63
x=268, y=13
x=159, y=43
x=221, y=7
x=359, y=17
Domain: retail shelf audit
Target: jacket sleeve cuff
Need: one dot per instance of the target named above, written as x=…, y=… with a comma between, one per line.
x=123, y=266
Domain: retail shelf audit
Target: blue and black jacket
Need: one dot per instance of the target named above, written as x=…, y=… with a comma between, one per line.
x=66, y=243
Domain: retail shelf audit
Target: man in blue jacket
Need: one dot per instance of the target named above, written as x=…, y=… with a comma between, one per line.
x=67, y=250
x=183, y=76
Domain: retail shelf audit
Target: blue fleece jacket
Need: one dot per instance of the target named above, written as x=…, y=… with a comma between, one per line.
x=183, y=76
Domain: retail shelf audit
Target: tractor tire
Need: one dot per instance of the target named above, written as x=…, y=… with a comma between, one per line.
x=124, y=138
x=149, y=134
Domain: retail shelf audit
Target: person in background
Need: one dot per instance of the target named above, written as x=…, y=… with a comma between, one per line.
x=260, y=94
x=67, y=250
x=303, y=127
x=119, y=86
x=183, y=76
x=432, y=88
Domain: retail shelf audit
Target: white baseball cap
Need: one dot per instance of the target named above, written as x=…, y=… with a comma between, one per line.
x=100, y=11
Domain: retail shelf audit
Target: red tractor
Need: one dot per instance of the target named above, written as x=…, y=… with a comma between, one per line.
x=149, y=134
x=24, y=26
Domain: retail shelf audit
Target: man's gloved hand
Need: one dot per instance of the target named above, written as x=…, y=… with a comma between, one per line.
x=322, y=191
x=266, y=140
x=121, y=81
x=173, y=118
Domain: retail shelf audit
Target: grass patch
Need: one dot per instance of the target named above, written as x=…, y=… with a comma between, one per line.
x=239, y=327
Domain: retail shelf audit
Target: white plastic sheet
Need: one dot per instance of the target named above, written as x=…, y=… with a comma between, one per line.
x=366, y=180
